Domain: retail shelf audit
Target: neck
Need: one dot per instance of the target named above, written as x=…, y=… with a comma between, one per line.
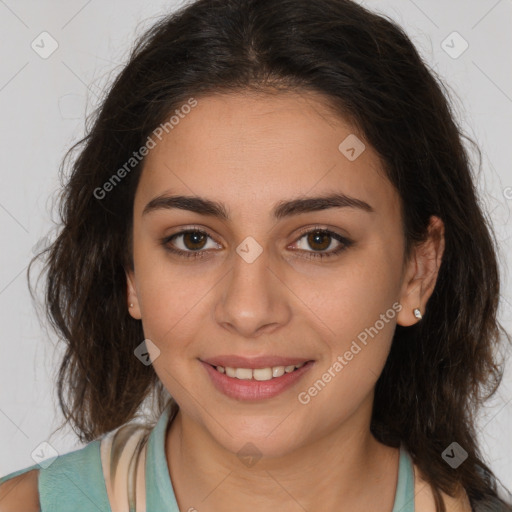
x=358, y=474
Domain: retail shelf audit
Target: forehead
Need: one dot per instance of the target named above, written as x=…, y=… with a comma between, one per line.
x=254, y=149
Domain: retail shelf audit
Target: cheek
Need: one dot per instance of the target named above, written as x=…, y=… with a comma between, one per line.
x=354, y=296
x=359, y=306
x=168, y=295
x=168, y=305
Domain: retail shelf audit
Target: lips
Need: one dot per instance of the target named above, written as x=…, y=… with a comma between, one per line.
x=247, y=378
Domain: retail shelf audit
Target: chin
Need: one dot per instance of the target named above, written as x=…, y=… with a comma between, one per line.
x=267, y=437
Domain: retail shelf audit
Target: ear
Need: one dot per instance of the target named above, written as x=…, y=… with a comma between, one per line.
x=131, y=293
x=421, y=273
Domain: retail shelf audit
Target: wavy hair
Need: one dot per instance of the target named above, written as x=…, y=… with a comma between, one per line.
x=440, y=370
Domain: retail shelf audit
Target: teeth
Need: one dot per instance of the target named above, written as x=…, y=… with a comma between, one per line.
x=262, y=373
x=277, y=371
x=258, y=373
x=243, y=373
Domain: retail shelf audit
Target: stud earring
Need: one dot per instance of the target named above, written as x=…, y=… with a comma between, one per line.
x=131, y=305
x=417, y=313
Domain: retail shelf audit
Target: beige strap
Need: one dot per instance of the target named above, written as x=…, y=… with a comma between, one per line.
x=140, y=486
x=123, y=460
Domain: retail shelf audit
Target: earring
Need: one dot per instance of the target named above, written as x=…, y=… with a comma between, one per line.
x=131, y=305
x=417, y=313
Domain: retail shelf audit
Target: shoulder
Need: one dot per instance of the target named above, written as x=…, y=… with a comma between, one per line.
x=57, y=483
x=20, y=493
x=73, y=479
x=424, y=497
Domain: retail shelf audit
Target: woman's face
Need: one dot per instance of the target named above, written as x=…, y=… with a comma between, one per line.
x=253, y=292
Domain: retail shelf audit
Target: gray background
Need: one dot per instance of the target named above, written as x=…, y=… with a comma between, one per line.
x=44, y=102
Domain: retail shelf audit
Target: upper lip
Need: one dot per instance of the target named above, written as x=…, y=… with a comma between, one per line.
x=233, y=361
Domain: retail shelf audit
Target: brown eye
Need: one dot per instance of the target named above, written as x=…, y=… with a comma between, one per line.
x=319, y=240
x=194, y=240
x=191, y=243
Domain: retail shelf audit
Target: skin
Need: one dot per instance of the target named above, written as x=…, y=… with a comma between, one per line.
x=251, y=151
x=267, y=149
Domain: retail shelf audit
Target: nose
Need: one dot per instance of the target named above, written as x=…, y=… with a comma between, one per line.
x=253, y=299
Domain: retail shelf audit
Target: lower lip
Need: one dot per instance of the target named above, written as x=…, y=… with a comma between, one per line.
x=254, y=389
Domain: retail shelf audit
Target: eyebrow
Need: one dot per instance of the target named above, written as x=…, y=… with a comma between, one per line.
x=281, y=210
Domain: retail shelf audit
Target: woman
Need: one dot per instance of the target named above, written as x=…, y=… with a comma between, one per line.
x=273, y=222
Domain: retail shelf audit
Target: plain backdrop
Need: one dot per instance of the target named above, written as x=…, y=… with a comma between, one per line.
x=44, y=102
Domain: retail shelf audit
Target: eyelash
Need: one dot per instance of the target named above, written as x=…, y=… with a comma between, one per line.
x=345, y=243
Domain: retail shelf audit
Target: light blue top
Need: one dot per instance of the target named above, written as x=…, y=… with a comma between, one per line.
x=74, y=481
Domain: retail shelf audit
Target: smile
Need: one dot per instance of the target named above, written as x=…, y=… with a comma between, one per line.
x=251, y=384
x=261, y=374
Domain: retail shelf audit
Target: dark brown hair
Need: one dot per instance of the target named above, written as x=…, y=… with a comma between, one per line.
x=438, y=371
